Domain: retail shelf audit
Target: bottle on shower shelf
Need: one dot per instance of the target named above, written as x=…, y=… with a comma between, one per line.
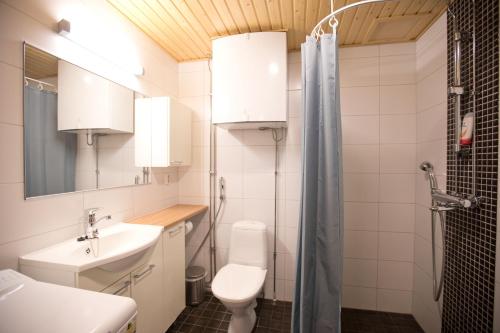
x=467, y=129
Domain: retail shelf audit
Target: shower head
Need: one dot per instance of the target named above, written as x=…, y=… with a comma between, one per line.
x=429, y=170
x=426, y=166
x=450, y=12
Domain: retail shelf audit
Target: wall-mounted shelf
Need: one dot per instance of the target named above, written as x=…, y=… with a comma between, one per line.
x=172, y=215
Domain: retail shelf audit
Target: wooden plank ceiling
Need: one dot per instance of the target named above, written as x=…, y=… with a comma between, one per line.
x=39, y=64
x=185, y=28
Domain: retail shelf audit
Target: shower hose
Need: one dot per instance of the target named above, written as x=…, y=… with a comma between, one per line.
x=437, y=286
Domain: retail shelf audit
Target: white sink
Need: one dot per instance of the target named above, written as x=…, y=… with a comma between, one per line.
x=117, y=247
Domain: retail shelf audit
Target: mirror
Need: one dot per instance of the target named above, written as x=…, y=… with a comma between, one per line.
x=79, y=129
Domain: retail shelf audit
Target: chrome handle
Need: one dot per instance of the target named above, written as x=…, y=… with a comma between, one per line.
x=174, y=232
x=176, y=162
x=140, y=275
x=91, y=215
x=92, y=211
x=125, y=286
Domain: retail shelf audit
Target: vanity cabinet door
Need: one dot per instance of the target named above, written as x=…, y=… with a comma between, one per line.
x=120, y=287
x=175, y=271
x=147, y=284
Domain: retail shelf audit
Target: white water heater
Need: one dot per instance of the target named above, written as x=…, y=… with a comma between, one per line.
x=89, y=102
x=249, y=80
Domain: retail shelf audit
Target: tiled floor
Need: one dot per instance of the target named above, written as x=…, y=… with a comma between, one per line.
x=212, y=316
x=364, y=321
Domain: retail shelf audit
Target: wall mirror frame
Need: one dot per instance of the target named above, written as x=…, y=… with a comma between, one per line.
x=80, y=129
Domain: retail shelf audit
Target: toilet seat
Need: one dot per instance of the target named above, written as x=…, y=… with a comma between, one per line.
x=238, y=283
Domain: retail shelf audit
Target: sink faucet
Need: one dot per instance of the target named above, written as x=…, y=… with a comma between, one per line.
x=92, y=232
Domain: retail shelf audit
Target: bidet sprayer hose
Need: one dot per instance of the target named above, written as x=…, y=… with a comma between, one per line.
x=222, y=198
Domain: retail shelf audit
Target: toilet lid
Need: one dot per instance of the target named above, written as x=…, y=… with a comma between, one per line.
x=238, y=283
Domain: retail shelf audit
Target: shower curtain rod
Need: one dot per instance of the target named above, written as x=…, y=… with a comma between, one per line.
x=338, y=11
x=39, y=82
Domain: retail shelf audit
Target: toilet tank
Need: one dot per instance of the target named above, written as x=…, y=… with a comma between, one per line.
x=248, y=244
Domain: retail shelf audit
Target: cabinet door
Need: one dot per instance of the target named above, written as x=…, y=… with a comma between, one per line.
x=175, y=270
x=120, y=287
x=147, y=284
x=180, y=134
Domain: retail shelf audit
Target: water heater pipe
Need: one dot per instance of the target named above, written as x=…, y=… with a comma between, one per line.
x=277, y=137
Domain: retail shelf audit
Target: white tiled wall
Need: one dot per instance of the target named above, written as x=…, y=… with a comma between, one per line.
x=379, y=128
x=194, y=89
x=399, y=121
x=32, y=224
x=116, y=162
x=245, y=158
x=379, y=145
x=431, y=146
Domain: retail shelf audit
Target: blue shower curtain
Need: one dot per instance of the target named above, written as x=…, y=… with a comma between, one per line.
x=318, y=284
x=50, y=155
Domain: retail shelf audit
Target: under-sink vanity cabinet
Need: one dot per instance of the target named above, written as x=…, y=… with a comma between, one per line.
x=147, y=286
x=143, y=281
x=98, y=279
x=174, y=264
x=156, y=282
x=143, y=259
x=144, y=284
x=119, y=288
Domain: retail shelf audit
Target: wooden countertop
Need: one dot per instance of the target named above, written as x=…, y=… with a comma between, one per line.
x=170, y=216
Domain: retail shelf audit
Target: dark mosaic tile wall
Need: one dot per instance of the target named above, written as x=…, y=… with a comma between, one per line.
x=471, y=234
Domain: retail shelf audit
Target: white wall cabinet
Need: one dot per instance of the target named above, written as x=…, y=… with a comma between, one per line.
x=249, y=80
x=156, y=281
x=168, y=125
x=89, y=101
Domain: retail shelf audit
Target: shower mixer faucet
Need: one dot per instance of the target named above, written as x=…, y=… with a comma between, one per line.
x=442, y=200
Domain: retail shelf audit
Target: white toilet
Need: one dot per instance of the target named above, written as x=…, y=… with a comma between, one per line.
x=238, y=283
